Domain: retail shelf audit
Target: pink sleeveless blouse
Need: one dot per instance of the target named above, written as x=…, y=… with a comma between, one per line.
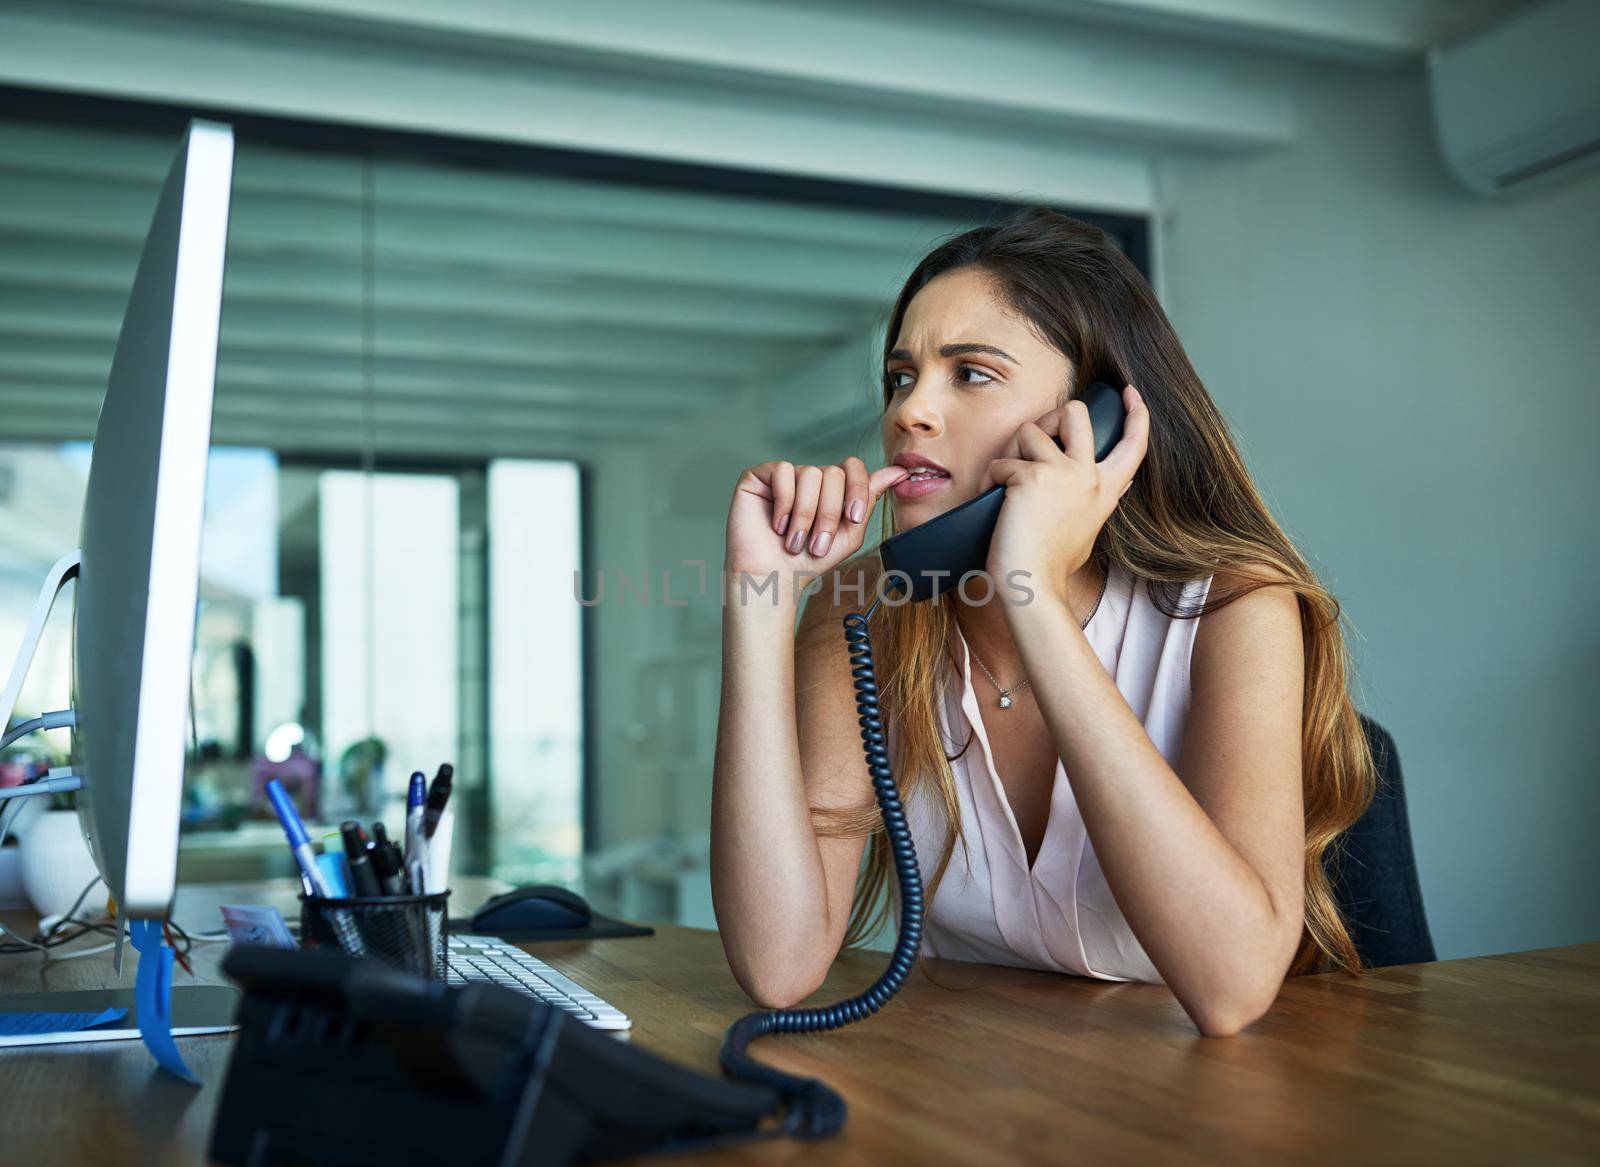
x=1061, y=915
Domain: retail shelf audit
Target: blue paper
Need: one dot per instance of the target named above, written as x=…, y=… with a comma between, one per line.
x=255, y=924
x=29, y=1024
x=152, y=997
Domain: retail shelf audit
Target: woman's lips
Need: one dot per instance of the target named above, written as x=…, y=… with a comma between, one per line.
x=920, y=486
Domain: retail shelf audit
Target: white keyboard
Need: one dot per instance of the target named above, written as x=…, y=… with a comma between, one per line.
x=488, y=959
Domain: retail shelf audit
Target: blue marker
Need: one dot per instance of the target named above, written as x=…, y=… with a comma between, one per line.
x=299, y=841
x=416, y=797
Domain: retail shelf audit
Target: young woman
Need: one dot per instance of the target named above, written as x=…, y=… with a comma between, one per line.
x=1133, y=771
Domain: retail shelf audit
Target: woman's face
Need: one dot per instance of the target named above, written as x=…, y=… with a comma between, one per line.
x=964, y=374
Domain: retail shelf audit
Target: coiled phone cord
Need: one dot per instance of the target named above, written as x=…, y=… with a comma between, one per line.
x=812, y=1109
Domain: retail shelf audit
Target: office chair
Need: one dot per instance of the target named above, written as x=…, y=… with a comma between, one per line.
x=1374, y=870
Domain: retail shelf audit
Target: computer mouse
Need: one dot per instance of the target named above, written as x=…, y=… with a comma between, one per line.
x=532, y=909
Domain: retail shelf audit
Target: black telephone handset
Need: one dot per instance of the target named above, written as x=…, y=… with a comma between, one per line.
x=934, y=556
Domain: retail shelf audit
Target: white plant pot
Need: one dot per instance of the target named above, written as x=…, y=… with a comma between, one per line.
x=11, y=893
x=56, y=864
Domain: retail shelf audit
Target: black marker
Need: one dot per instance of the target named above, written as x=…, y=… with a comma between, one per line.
x=380, y=838
x=386, y=862
x=438, y=795
x=362, y=875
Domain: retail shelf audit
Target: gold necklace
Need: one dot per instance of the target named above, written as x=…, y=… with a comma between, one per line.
x=1005, y=694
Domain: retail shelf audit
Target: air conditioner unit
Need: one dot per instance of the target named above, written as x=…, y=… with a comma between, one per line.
x=1521, y=101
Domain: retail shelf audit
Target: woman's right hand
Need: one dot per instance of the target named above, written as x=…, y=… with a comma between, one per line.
x=787, y=518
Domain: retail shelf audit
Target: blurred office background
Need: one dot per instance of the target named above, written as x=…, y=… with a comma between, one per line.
x=513, y=292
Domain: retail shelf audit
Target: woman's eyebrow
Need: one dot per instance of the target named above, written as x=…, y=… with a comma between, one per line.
x=959, y=350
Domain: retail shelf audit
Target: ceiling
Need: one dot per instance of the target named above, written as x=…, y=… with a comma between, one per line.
x=511, y=313
x=534, y=314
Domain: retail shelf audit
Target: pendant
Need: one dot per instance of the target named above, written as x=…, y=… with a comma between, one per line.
x=1005, y=701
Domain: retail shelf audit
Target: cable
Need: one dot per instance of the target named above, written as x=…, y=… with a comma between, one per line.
x=76, y=904
x=50, y=938
x=57, y=939
x=59, y=781
x=811, y=1109
x=94, y=950
x=42, y=941
x=8, y=814
x=59, y=719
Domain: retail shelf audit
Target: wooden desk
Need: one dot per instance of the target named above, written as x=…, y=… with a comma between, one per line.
x=1490, y=1060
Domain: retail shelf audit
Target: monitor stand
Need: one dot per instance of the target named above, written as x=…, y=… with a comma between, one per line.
x=196, y=1009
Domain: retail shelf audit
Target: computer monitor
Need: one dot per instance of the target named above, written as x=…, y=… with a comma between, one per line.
x=139, y=574
x=138, y=571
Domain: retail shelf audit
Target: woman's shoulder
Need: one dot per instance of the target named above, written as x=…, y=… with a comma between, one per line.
x=1208, y=590
x=1259, y=585
x=1250, y=607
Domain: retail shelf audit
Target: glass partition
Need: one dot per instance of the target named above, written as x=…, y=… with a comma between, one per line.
x=446, y=385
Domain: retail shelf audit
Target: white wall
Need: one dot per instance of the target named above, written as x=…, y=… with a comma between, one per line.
x=389, y=554
x=535, y=666
x=1413, y=372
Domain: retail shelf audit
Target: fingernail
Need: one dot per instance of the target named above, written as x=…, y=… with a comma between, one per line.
x=797, y=540
x=819, y=545
x=783, y=524
x=858, y=511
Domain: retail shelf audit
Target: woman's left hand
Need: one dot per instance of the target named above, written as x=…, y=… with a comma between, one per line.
x=1058, y=499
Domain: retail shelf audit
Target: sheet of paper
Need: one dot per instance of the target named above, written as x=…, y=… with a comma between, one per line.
x=152, y=997
x=28, y=1024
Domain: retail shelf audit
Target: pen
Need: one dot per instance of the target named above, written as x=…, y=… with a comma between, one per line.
x=416, y=843
x=438, y=795
x=380, y=835
x=362, y=875
x=436, y=859
x=416, y=795
x=299, y=841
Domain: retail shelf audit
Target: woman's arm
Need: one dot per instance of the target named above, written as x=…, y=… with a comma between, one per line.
x=1206, y=868
x=782, y=894
x=787, y=738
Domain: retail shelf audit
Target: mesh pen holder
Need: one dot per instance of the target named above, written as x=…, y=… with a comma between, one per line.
x=405, y=931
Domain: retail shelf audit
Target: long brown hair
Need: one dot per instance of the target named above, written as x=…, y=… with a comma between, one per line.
x=1192, y=511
